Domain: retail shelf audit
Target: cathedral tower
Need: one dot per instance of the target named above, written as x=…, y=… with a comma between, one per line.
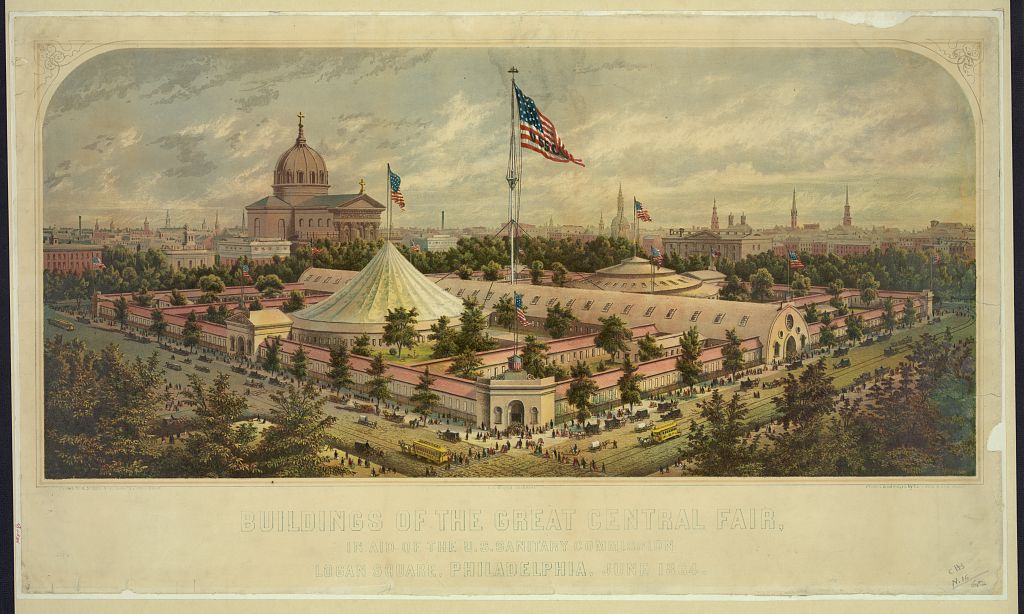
x=847, y=218
x=714, y=214
x=792, y=212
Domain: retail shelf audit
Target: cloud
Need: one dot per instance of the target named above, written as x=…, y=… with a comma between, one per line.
x=194, y=162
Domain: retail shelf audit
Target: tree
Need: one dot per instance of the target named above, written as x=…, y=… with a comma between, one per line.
x=121, y=311
x=379, y=385
x=400, y=328
x=217, y=447
x=825, y=318
x=732, y=353
x=191, y=333
x=464, y=272
x=835, y=288
x=629, y=383
x=580, y=391
x=559, y=320
x=536, y=272
x=217, y=314
x=800, y=284
x=299, y=365
x=444, y=337
x=718, y=445
x=159, y=325
x=272, y=356
x=177, y=298
x=98, y=409
x=296, y=301
x=613, y=336
x=811, y=313
x=868, y=288
x=212, y=286
x=559, y=274
x=465, y=365
x=505, y=312
x=143, y=298
x=854, y=328
x=827, y=336
x=340, y=372
x=256, y=305
x=888, y=314
x=733, y=289
x=688, y=363
x=491, y=270
x=534, y=353
x=811, y=395
x=909, y=313
x=361, y=346
x=425, y=400
x=270, y=286
x=472, y=336
x=648, y=348
x=761, y=283
x=292, y=446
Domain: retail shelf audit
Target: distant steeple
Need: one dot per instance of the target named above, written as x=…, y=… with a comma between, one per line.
x=714, y=214
x=216, y=221
x=167, y=219
x=600, y=225
x=847, y=218
x=792, y=212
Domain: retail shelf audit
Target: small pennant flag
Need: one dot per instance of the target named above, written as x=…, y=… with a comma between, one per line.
x=794, y=261
x=520, y=311
x=537, y=133
x=641, y=213
x=394, y=181
x=656, y=256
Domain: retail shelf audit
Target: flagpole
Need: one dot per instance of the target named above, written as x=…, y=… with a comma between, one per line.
x=512, y=177
x=387, y=184
x=636, y=227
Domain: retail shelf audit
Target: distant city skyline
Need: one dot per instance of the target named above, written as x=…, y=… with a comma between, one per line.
x=132, y=133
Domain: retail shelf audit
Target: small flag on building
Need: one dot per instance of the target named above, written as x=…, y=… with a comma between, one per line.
x=416, y=247
x=715, y=253
x=520, y=312
x=316, y=251
x=394, y=181
x=97, y=263
x=641, y=213
x=245, y=272
x=935, y=258
x=656, y=256
x=537, y=133
x=794, y=261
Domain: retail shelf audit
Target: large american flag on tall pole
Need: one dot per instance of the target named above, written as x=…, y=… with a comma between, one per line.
x=537, y=133
x=394, y=181
x=520, y=311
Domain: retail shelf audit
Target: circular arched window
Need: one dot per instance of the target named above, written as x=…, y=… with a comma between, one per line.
x=789, y=322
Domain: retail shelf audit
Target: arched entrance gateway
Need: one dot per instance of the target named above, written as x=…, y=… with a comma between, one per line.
x=516, y=412
x=791, y=353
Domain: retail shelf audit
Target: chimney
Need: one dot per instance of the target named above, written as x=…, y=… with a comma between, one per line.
x=442, y=219
x=79, y=227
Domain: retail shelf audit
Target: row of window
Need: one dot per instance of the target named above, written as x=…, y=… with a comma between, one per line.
x=302, y=177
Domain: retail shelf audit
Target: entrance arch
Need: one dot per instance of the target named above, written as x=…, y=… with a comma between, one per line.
x=516, y=412
x=790, y=348
x=777, y=348
x=534, y=415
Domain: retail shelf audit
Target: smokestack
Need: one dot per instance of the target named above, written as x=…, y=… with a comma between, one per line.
x=79, y=225
x=442, y=219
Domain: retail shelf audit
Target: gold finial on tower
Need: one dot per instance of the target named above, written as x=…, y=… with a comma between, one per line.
x=362, y=186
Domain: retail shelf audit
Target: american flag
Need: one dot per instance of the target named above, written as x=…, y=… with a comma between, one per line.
x=537, y=133
x=715, y=253
x=396, y=194
x=935, y=258
x=97, y=263
x=794, y=261
x=245, y=272
x=316, y=251
x=641, y=213
x=656, y=256
x=520, y=312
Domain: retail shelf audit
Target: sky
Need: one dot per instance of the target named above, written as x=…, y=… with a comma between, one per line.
x=133, y=133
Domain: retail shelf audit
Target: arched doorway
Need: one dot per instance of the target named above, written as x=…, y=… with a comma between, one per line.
x=534, y=415
x=791, y=348
x=516, y=412
x=778, y=349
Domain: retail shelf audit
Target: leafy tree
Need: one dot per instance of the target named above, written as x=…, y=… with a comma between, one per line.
x=296, y=301
x=559, y=274
x=299, y=367
x=827, y=336
x=505, y=312
x=835, y=288
x=217, y=447
x=270, y=286
x=491, y=271
x=733, y=289
x=580, y=391
x=212, y=286
x=472, y=336
x=909, y=313
x=718, y=445
x=340, y=372
x=855, y=328
x=559, y=320
x=217, y=314
x=177, y=298
x=98, y=409
x=800, y=284
x=292, y=446
x=361, y=346
x=761, y=283
x=629, y=383
x=536, y=272
x=464, y=272
x=121, y=311
x=732, y=353
x=400, y=328
x=256, y=305
x=272, y=356
x=425, y=400
x=465, y=365
x=534, y=353
x=811, y=313
x=888, y=314
x=868, y=288
x=811, y=395
x=614, y=336
x=191, y=333
x=379, y=385
x=648, y=348
x=444, y=337
x=688, y=363
x=143, y=298
x=825, y=318
x=158, y=326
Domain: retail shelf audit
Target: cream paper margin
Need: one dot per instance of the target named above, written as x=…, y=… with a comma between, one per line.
x=873, y=539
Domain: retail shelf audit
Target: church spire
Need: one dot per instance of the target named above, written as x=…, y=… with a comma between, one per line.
x=714, y=214
x=847, y=218
x=301, y=139
x=792, y=212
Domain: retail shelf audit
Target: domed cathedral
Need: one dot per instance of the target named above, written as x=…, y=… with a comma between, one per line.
x=300, y=208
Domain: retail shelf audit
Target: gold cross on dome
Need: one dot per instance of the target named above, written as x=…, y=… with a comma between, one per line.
x=300, y=116
x=362, y=186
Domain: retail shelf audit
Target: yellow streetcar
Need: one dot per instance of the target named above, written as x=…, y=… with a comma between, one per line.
x=664, y=432
x=427, y=451
x=61, y=324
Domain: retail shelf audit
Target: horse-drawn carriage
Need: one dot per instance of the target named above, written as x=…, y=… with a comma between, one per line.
x=640, y=414
x=240, y=370
x=642, y=426
x=393, y=417
x=842, y=364
x=796, y=364
x=449, y=436
x=747, y=383
x=671, y=415
x=612, y=423
x=365, y=421
x=841, y=352
x=366, y=450
x=595, y=446
x=591, y=429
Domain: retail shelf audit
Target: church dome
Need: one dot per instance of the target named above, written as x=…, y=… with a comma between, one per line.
x=301, y=165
